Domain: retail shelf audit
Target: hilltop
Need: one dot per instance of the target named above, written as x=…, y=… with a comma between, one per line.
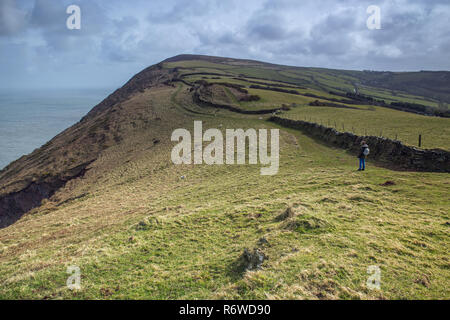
x=105, y=195
x=432, y=85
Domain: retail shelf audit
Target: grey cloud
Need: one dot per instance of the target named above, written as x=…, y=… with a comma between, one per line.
x=48, y=14
x=267, y=31
x=399, y=27
x=333, y=35
x=12, y=18
x=179, y=11
x=124, y=36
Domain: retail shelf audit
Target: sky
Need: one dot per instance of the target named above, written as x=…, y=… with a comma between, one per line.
x=117, y=39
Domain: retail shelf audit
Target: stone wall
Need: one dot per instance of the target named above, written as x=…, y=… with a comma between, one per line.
x=200, y=100
x=382, y=149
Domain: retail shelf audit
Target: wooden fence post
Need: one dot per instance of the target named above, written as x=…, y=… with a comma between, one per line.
x=420, y=140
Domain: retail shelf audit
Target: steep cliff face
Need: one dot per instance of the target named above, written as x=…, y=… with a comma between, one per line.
x=27, y=181
x=14, y=204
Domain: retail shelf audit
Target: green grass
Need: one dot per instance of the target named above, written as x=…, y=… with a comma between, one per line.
x=198, y=65
x=379, y=121
x=364, y=120
x=154, y=235
x=137, y=230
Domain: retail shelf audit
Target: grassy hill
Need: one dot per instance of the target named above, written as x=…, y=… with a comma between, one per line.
x=139, y=226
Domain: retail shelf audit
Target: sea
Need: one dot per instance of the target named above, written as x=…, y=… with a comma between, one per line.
x=29, y=118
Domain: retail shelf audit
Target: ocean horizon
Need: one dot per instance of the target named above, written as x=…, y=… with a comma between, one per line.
x=31, y=117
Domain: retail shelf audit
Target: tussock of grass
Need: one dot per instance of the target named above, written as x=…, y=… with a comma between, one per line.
x=307, y=224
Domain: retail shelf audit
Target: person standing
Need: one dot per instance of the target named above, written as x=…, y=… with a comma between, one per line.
x=364, y=152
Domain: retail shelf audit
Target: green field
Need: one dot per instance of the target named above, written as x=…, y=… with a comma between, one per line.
x=140, y=227
x=379, y=121
x=366, y=120
x=154, y=236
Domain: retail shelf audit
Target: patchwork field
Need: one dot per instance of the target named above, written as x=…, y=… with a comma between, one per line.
x=362, y=119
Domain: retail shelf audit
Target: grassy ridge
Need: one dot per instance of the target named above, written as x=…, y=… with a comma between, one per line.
x=137, y=229
x=142, y=232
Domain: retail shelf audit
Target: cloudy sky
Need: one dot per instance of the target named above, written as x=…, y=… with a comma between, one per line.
x=119, y=38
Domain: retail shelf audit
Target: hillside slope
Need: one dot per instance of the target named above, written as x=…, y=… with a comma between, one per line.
x=28, y=180
x=105, y=196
